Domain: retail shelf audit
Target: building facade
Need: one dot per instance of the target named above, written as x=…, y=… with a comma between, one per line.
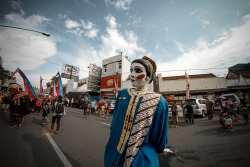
x=115, y=71
x=238, y=79
x=201, y=86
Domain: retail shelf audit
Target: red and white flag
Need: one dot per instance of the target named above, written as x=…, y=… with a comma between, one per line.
x=116, y=88
x=187, y=84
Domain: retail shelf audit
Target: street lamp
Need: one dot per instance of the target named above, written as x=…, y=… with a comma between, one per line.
x=44, y=33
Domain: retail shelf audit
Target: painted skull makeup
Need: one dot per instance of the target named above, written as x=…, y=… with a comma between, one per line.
x=138, y=76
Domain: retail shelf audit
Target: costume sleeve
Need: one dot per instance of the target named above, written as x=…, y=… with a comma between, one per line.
x=159, y=130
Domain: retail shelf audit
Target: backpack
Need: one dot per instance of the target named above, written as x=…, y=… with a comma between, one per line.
x=60, y=108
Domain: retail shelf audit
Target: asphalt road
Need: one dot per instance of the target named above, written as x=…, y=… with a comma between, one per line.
x=81, y=142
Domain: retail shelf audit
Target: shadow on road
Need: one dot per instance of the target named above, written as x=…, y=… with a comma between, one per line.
x=6, y=117
x=44, y=154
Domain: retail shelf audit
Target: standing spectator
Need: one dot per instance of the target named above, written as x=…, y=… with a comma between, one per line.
x=96, y=106
x=228, y=109
x=210, y=111
x=228, y=123
x=244, y=113
x=102, y=110
x=65, y=102
x=45, y=114
x=88, y=110
x=190, y=113
x=241, y=97
x=234, y=110
x=108, y=110
x=174, y=114
x=92, y=105
x=38, y=105
x=85, y=107
x=72, y=101
x=57, y=114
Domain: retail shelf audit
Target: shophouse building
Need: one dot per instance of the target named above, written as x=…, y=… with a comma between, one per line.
x=201, y=86
x=115, y=71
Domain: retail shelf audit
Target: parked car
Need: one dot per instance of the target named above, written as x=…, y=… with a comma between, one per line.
x=112, y=104
x=199, y=107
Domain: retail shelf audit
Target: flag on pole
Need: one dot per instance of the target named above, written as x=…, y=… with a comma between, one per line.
x=54, y=94
x=116, y=88
x=41, y=85
x=60, y=87
x=28, y=88
x=187, y=85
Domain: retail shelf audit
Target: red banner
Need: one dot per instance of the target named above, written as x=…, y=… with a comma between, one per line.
x=110, y=81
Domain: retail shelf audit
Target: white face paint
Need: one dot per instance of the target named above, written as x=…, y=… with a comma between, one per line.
x=138, y=76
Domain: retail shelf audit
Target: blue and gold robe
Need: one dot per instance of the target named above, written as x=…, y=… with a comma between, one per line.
x=138, y=131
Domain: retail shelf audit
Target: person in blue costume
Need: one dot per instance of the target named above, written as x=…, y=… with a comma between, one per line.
x=139, y=128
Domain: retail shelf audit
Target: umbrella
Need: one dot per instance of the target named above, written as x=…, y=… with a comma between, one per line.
x=218, y=97
x=18, y=96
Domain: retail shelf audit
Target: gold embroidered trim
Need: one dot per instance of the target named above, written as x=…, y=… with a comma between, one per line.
x=141, y=125
x=128, y=122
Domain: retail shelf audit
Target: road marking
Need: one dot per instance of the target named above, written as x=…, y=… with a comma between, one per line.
x=59, y=152
x=105, y=123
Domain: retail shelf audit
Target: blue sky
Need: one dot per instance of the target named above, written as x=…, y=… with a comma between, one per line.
x=179, y=35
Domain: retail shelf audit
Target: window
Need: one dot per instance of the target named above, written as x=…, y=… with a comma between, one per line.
x=105, y=68
x=120, y=65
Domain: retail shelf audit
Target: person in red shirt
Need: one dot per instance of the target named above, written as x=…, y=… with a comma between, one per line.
x=39, y=102
x=108, y=110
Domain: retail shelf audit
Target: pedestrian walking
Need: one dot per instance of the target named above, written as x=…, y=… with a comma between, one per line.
x=57, y=113
x=190, y=113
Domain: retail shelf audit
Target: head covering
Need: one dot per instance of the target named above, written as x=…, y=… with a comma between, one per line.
x=149, y=65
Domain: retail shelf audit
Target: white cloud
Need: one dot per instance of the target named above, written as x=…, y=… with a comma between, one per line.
x=112, y=41
x=78, y=32
x=24, y=49
x=204, y=23
x=71, y=24
x=92, y=33
x=88, y=29
x=246, y=17
x=119, y=4
x=233, y=48
x=192, y=13
x=111, y=21
x=90, y=25
x=180, y=46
